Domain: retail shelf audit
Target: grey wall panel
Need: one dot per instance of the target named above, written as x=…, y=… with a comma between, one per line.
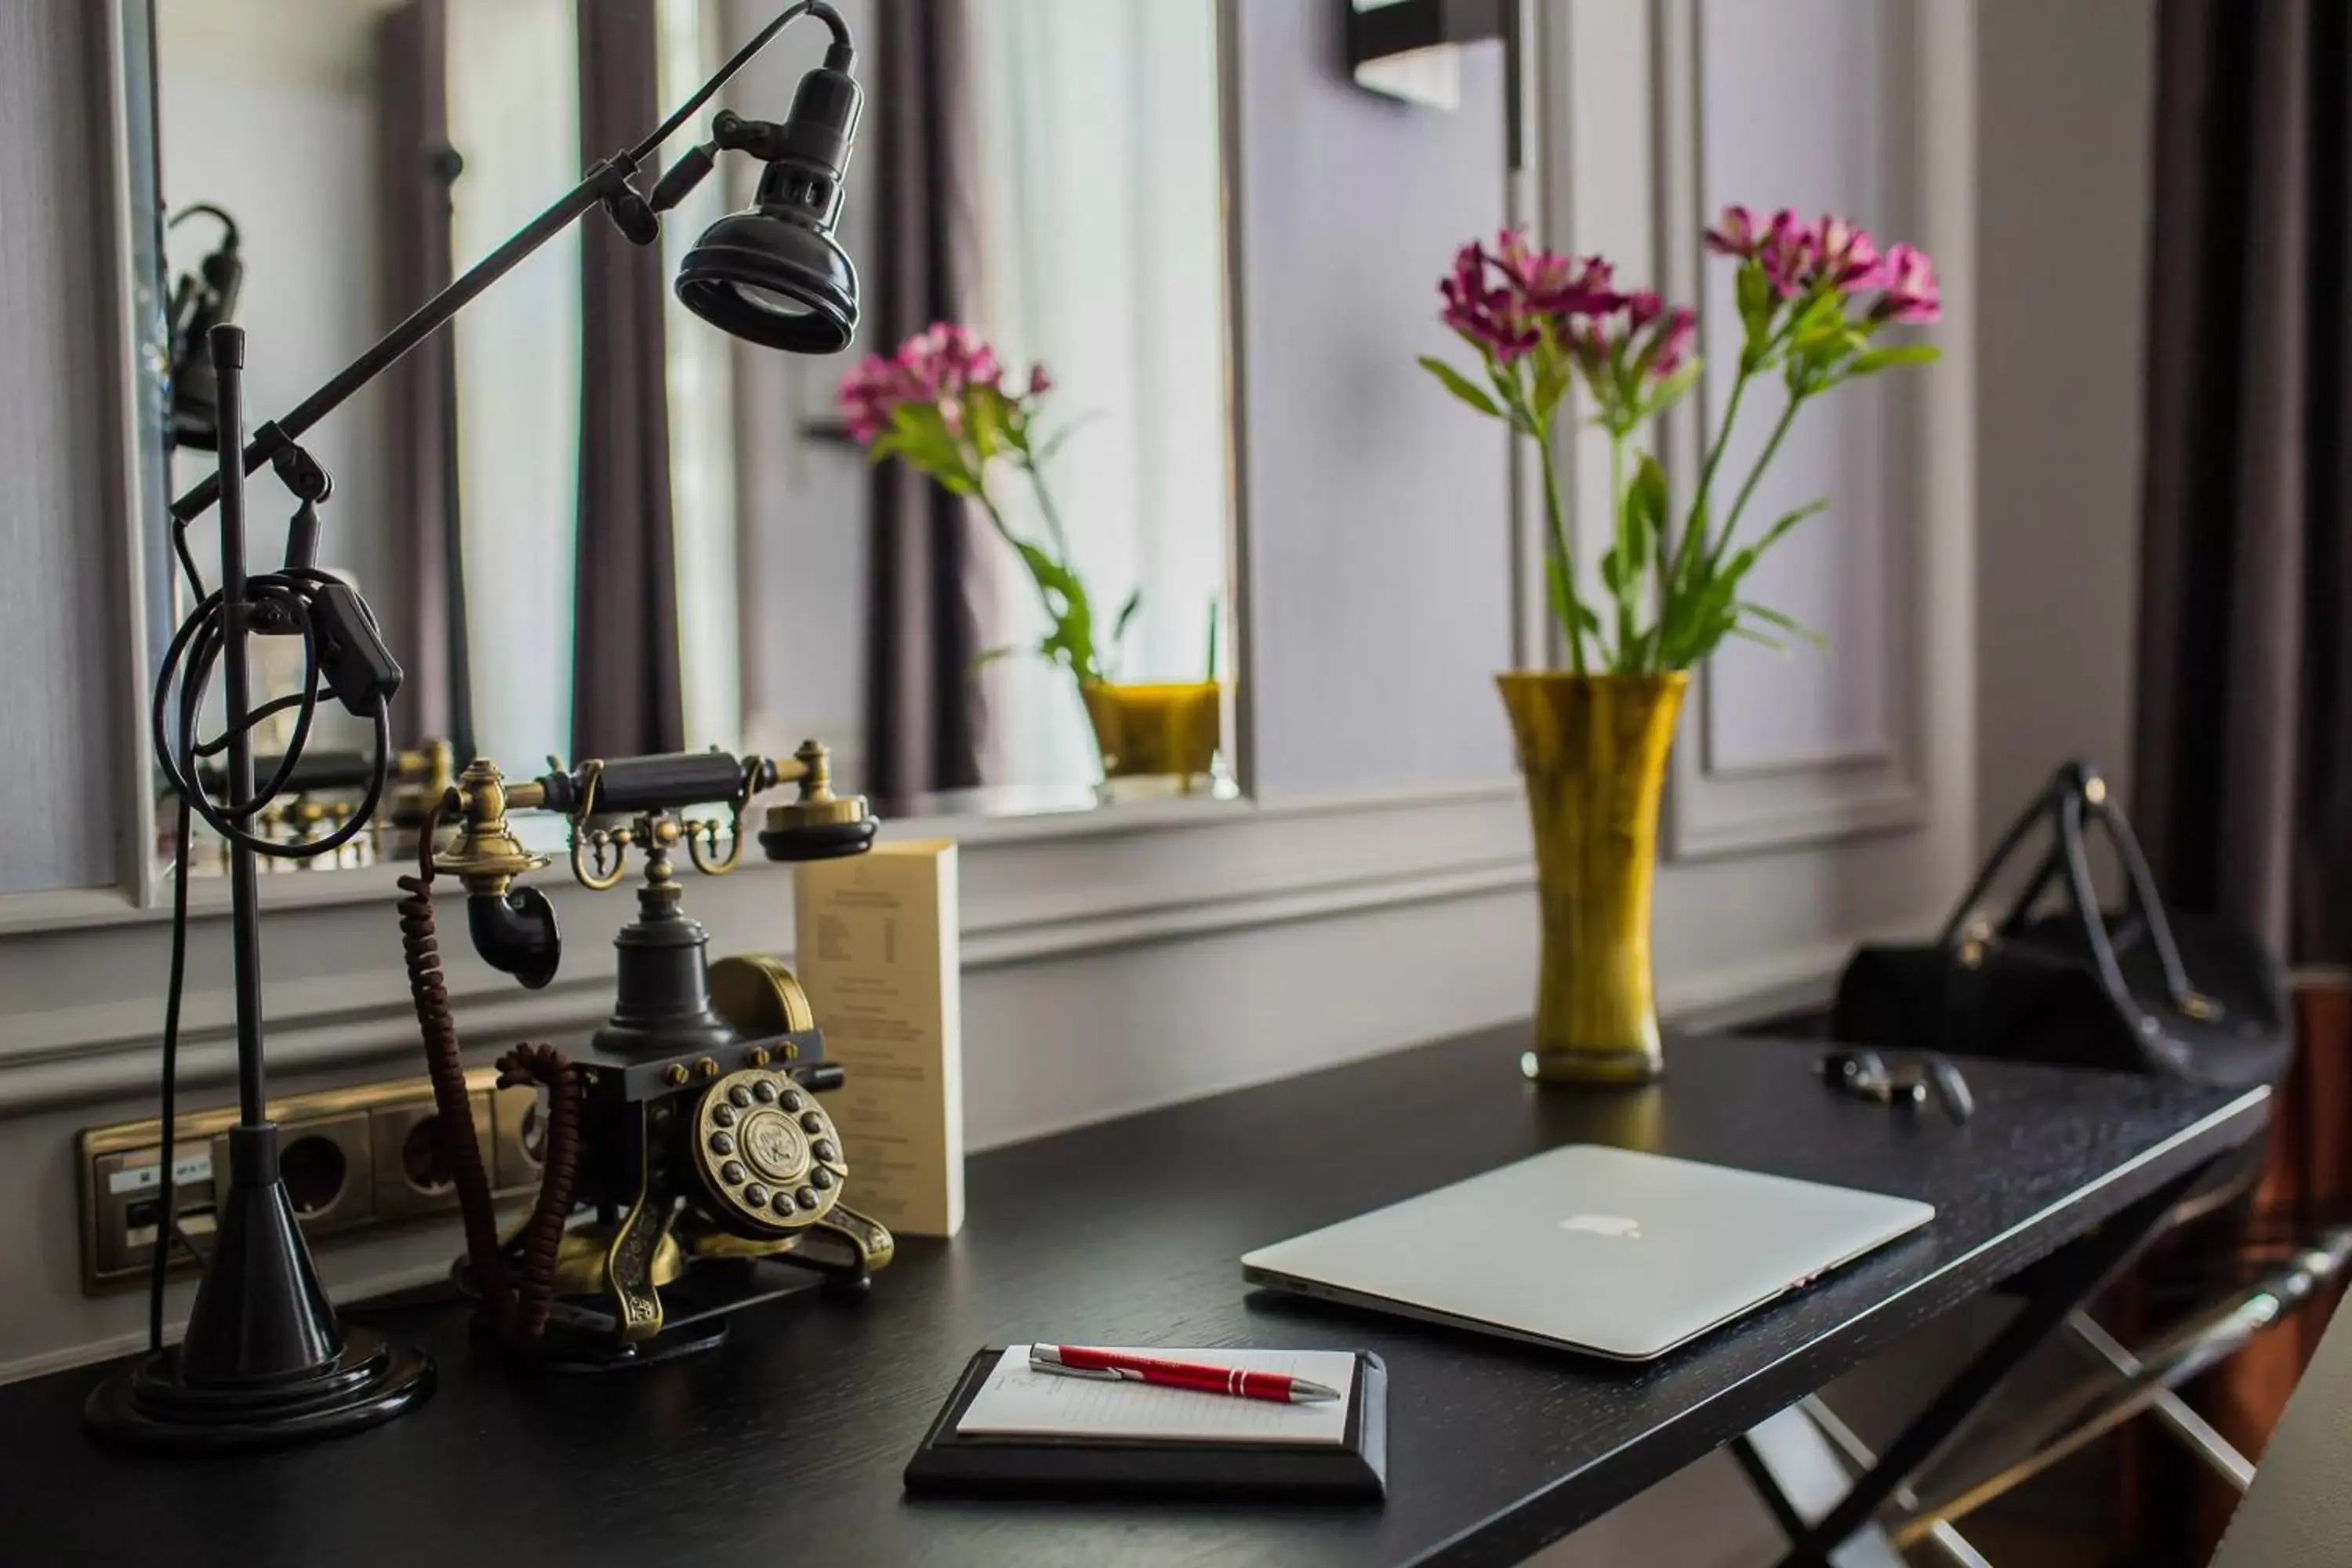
x=1377, y=509
x=59, y=630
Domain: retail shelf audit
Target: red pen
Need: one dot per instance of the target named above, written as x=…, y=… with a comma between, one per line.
x=1076, y=1361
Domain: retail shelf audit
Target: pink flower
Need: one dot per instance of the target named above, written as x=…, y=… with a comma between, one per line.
x=868, y=394
x=1040, y=384
x=1549, y=282
x=1500, y=299
x=1912, y=292
x=1785, y=251
x=938, y=367
x=1673, y=340
x=1641, y=327
x=1735, y=234
x=1492, y=318
x=1845, y=258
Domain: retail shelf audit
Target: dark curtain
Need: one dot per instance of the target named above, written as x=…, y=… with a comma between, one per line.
x=626, y=695
x=2244, y=755
x=2243, y=751
x=922, y=707
x=415, y=169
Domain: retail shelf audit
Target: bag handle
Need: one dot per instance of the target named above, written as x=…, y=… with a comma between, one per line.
x=2075, y=792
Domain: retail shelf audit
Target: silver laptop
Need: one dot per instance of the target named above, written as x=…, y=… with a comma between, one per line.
x=1597, y=1250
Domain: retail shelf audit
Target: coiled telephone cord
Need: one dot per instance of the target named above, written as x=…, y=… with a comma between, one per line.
x=519, y=1319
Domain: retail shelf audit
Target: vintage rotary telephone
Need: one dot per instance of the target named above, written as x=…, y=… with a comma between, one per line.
x=690, y=1128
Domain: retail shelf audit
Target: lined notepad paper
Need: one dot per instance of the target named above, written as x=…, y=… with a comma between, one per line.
x=1016, y=1401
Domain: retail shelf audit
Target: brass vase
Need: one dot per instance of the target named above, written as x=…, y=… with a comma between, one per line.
x=1593, y=750
x=1164, y=732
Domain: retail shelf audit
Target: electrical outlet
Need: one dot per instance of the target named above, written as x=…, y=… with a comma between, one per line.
x=411, y=1177
x=329, y=1169
x=351, y=1158
x=123, y=1200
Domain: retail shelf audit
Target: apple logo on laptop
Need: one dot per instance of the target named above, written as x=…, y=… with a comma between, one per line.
x=1610, y=1225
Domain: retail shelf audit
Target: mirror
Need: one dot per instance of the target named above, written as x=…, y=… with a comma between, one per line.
x=591, y=525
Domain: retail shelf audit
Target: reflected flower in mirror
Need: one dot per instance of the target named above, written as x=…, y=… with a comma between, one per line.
x=944, y=406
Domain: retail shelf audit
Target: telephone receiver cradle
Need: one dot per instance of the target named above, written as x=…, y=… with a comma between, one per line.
x=684, y=1154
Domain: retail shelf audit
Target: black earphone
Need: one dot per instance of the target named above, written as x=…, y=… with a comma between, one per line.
x=1866, y=1075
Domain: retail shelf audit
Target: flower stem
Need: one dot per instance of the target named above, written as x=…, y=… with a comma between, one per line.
x=1622, y=515
x=1715, y=453
x=1045, y=505
x=1570, y=607
x=1044, y=600
x=1763, y=461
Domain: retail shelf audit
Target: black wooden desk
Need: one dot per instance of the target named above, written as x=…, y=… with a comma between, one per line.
x=784, y=1446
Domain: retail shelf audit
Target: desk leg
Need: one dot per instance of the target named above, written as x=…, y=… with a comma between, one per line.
x=2071, y=1275
x=1790, y=1464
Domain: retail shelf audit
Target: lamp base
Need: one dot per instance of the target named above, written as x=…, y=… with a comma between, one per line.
x=150, y=1403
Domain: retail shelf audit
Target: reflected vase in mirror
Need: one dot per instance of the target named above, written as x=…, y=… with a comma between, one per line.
x=946, y=406
x=1593, y=741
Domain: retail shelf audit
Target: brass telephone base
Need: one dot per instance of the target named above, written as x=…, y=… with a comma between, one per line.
x=574, y=1346
x=715, y=1181
x=698, y=1307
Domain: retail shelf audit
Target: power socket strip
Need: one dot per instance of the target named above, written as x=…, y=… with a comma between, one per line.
x=354, y=1159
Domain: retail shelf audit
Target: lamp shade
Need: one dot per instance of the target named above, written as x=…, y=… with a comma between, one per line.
x=772, y=273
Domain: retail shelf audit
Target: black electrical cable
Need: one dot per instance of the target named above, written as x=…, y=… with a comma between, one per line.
x=228, y=224
x=285, y=599
x=684, y=112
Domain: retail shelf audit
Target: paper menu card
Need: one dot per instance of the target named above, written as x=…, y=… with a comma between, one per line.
x=876, y=952
x=1018, y=1401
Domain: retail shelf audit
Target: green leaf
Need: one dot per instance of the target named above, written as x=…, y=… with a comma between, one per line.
x=1564, y=607
x=1823, y=313
x=1071, y=642
x=1553, y=367
x=1460, y=386
x=1662, y=396
x=1788, y=624
x=1576, y=617
x=1646, y=511
x=1053, y=443
x=1756, y=636
x=1877, y=360
x=1126, y=613
x=1730, y=571
x=1757, y=306
x=988, y=656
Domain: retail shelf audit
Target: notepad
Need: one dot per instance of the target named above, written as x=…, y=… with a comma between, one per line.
x=1017, y=1400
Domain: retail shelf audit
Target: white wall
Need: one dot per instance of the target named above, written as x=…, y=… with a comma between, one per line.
x=2063, y=216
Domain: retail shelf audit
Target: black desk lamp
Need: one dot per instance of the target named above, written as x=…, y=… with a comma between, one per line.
x=263, y=1360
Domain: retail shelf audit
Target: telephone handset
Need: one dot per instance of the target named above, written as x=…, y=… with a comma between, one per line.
x=687, y=1150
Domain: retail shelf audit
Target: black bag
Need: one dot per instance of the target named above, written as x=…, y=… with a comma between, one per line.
x=2142, y=992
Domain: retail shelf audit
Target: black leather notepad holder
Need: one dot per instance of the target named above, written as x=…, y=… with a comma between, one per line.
x=999, y=1465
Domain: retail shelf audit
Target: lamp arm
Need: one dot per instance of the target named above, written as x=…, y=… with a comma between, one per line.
x=607, y=177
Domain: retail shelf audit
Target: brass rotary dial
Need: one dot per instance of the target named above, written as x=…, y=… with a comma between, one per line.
x=767, y=1151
